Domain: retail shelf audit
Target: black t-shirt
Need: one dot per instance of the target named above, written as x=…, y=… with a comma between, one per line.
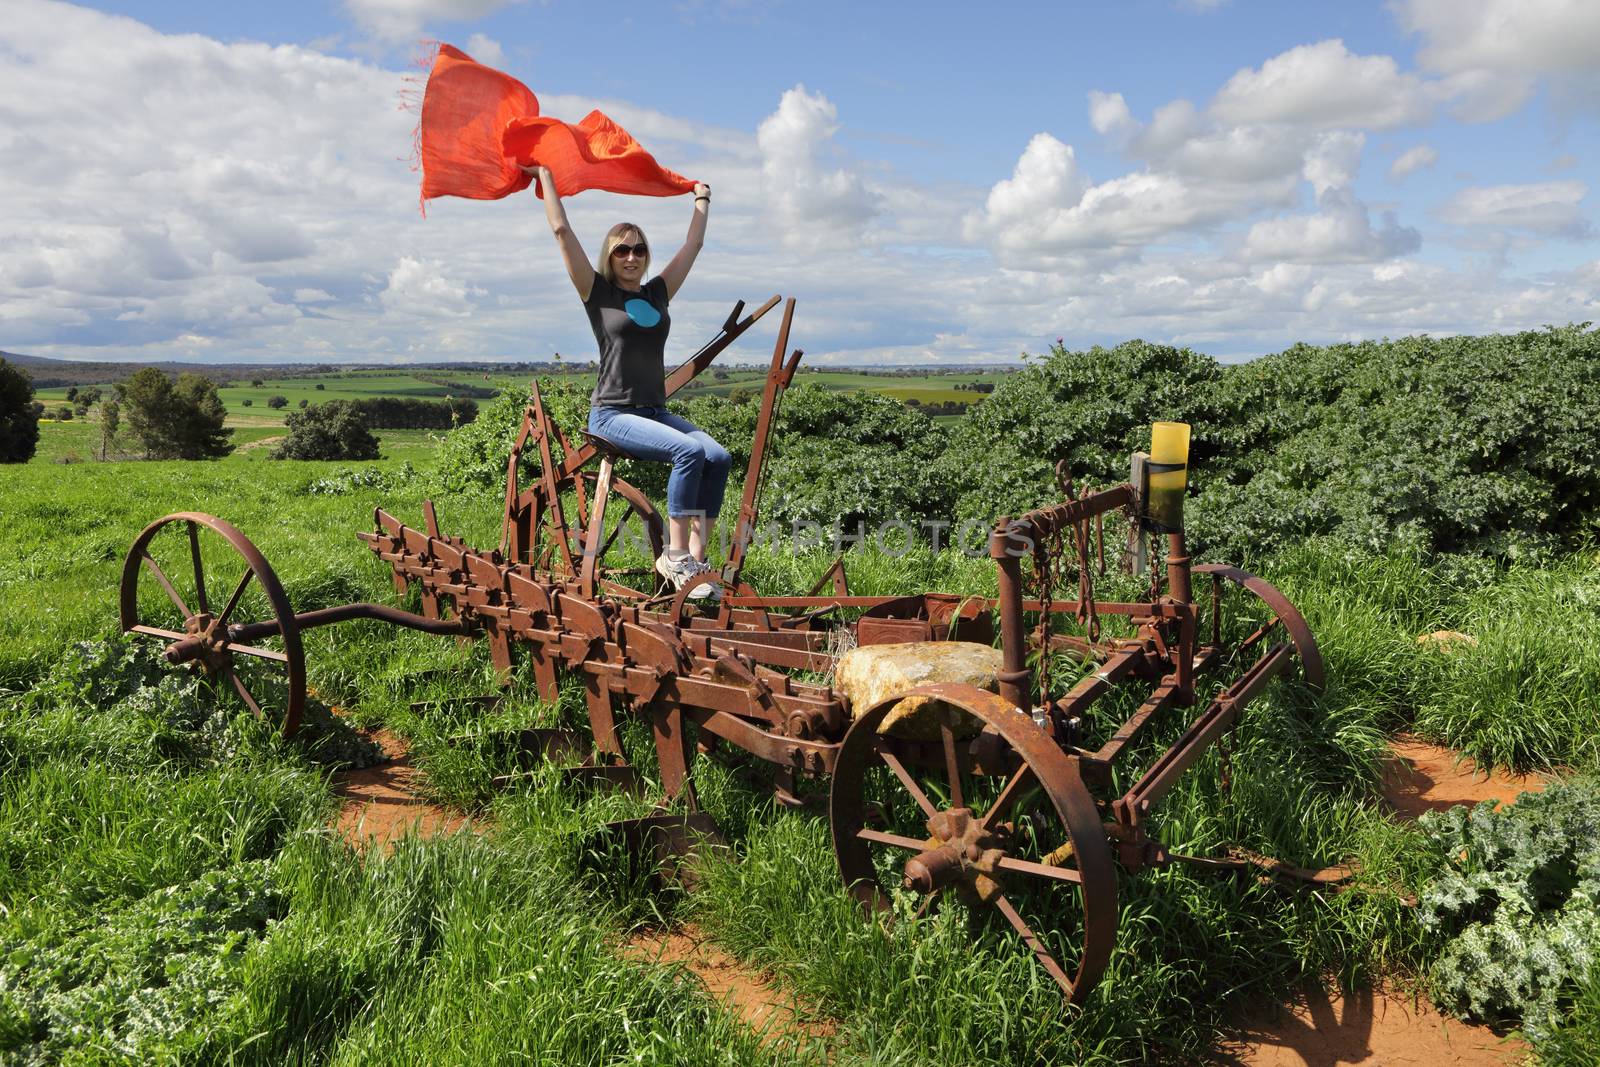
x=631, y=328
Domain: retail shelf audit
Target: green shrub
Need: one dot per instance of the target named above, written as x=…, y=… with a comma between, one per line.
x=335, y=430
x=1516, y=907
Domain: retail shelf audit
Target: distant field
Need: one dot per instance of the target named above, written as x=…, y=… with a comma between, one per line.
x=438, y=384
x=79, y=441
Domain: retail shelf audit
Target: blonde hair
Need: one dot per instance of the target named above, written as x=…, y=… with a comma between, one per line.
x=613, y=239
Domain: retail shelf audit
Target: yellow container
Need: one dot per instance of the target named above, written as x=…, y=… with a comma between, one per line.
x=1169, y=448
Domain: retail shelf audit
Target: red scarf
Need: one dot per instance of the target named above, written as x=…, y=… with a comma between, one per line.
x=480, y=126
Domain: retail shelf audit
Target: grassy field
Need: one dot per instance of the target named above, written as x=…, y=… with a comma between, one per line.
x=438, y=384
x=185, y=903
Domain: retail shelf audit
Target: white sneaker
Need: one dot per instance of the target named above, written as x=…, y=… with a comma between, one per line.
x=682, y=570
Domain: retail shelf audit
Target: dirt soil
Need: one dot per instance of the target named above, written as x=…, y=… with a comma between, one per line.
x=380, y=806
x=749, y=994
x=262, y=443
x=1421, y=777
x=1374, y=1028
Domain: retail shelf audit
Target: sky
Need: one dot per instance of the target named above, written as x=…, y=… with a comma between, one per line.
x=935, y=183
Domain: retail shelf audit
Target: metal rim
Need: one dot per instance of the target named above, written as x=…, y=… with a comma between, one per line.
x=1061, y=791
x=1294, y=623
x=213, y=630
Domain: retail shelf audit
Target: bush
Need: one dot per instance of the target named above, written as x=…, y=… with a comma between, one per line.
x=475, y=455
x=174, y=420
x=276, y=402
x=19, y=419
x=246, y=402
x=335, y=430
x=1517, y=908
x=413, y=413
x=320, y=387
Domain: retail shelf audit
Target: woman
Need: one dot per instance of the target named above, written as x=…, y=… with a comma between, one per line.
x=629, y=406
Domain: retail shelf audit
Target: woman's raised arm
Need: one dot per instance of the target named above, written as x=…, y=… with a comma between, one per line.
x=676, y=272
x=579, y=269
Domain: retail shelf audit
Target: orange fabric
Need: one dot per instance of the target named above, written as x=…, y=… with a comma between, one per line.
x=478, y=125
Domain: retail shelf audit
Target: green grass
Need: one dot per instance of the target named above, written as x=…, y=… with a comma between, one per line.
x=501, y=948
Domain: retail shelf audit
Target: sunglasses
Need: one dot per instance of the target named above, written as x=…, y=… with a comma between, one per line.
x=641, y=250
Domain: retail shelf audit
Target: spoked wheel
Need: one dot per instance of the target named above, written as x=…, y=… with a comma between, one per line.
x=1026, y=845
x=195, y=582
x=1250, y=617
x=628, y=505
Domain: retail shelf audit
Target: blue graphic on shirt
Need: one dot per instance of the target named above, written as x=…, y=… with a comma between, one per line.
x=642, y=312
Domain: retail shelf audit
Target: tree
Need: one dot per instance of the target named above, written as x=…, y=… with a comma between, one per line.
x=320, y=387
x=175, y=420
x=19, y=418
x=256, y=382
x=246, y=402
x=303, y=403
x=86, y=399
x=276, y=402
x=335, y=430
x=110, y=418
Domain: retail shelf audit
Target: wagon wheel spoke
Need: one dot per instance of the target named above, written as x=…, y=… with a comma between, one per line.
x=166, y=583
x=928, y=903
x=245, y=693
x=233, y=601
x=199, y=571
x=1018, y=782
x=952, y=764
x=1041, y=952
x=259, y=653
x=910, y=844
x=909, y=782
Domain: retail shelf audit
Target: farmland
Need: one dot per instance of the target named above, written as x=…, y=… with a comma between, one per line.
x=436, y=383
x=186, y=902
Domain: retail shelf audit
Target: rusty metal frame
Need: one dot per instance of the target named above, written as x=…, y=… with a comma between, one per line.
x=705, y=679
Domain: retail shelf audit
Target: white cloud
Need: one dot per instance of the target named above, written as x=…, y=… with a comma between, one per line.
x=486, y=50
x=1409, y=162
x=1549, y=208
x=1324, y=85
x=811, y=202
x=1495, y=51
x=1341, y=232
x=421, y=287
x=1334, y=160
x=398, y=20
x=1108, y=112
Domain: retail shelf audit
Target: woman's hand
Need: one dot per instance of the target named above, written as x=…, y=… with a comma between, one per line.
x=541, y=174
x=702, y=192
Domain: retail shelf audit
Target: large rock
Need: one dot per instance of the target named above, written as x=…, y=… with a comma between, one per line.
x=873, y=673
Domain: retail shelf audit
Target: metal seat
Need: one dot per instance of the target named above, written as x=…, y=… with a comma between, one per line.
x=608, y=450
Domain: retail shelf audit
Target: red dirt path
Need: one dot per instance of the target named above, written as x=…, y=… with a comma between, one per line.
x=1421, y=777
x=1366, y=1027
x=763, y=1006
x=380, y=806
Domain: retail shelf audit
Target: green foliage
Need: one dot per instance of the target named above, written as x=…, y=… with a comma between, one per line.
x=415, y=413
x=174, y=420
x=277, y=401
x=475, y=455
x=1091, y=409
x=1479, y=445
x=1458, y=445
x=19, y=419
x=335, y=430
x=1516, y=906
x=134, y=983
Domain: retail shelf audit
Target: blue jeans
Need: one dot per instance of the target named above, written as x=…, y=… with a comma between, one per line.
x=699, y=465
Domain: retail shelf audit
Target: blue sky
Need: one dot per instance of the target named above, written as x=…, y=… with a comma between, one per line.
x=934, y=182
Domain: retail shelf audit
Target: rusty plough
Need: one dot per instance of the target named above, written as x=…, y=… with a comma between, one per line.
x=1001, y=793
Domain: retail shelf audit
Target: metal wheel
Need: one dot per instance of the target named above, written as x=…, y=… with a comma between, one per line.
x=195, y=582
x=1026, y=845
x=1262, y=620
x=628, y=502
